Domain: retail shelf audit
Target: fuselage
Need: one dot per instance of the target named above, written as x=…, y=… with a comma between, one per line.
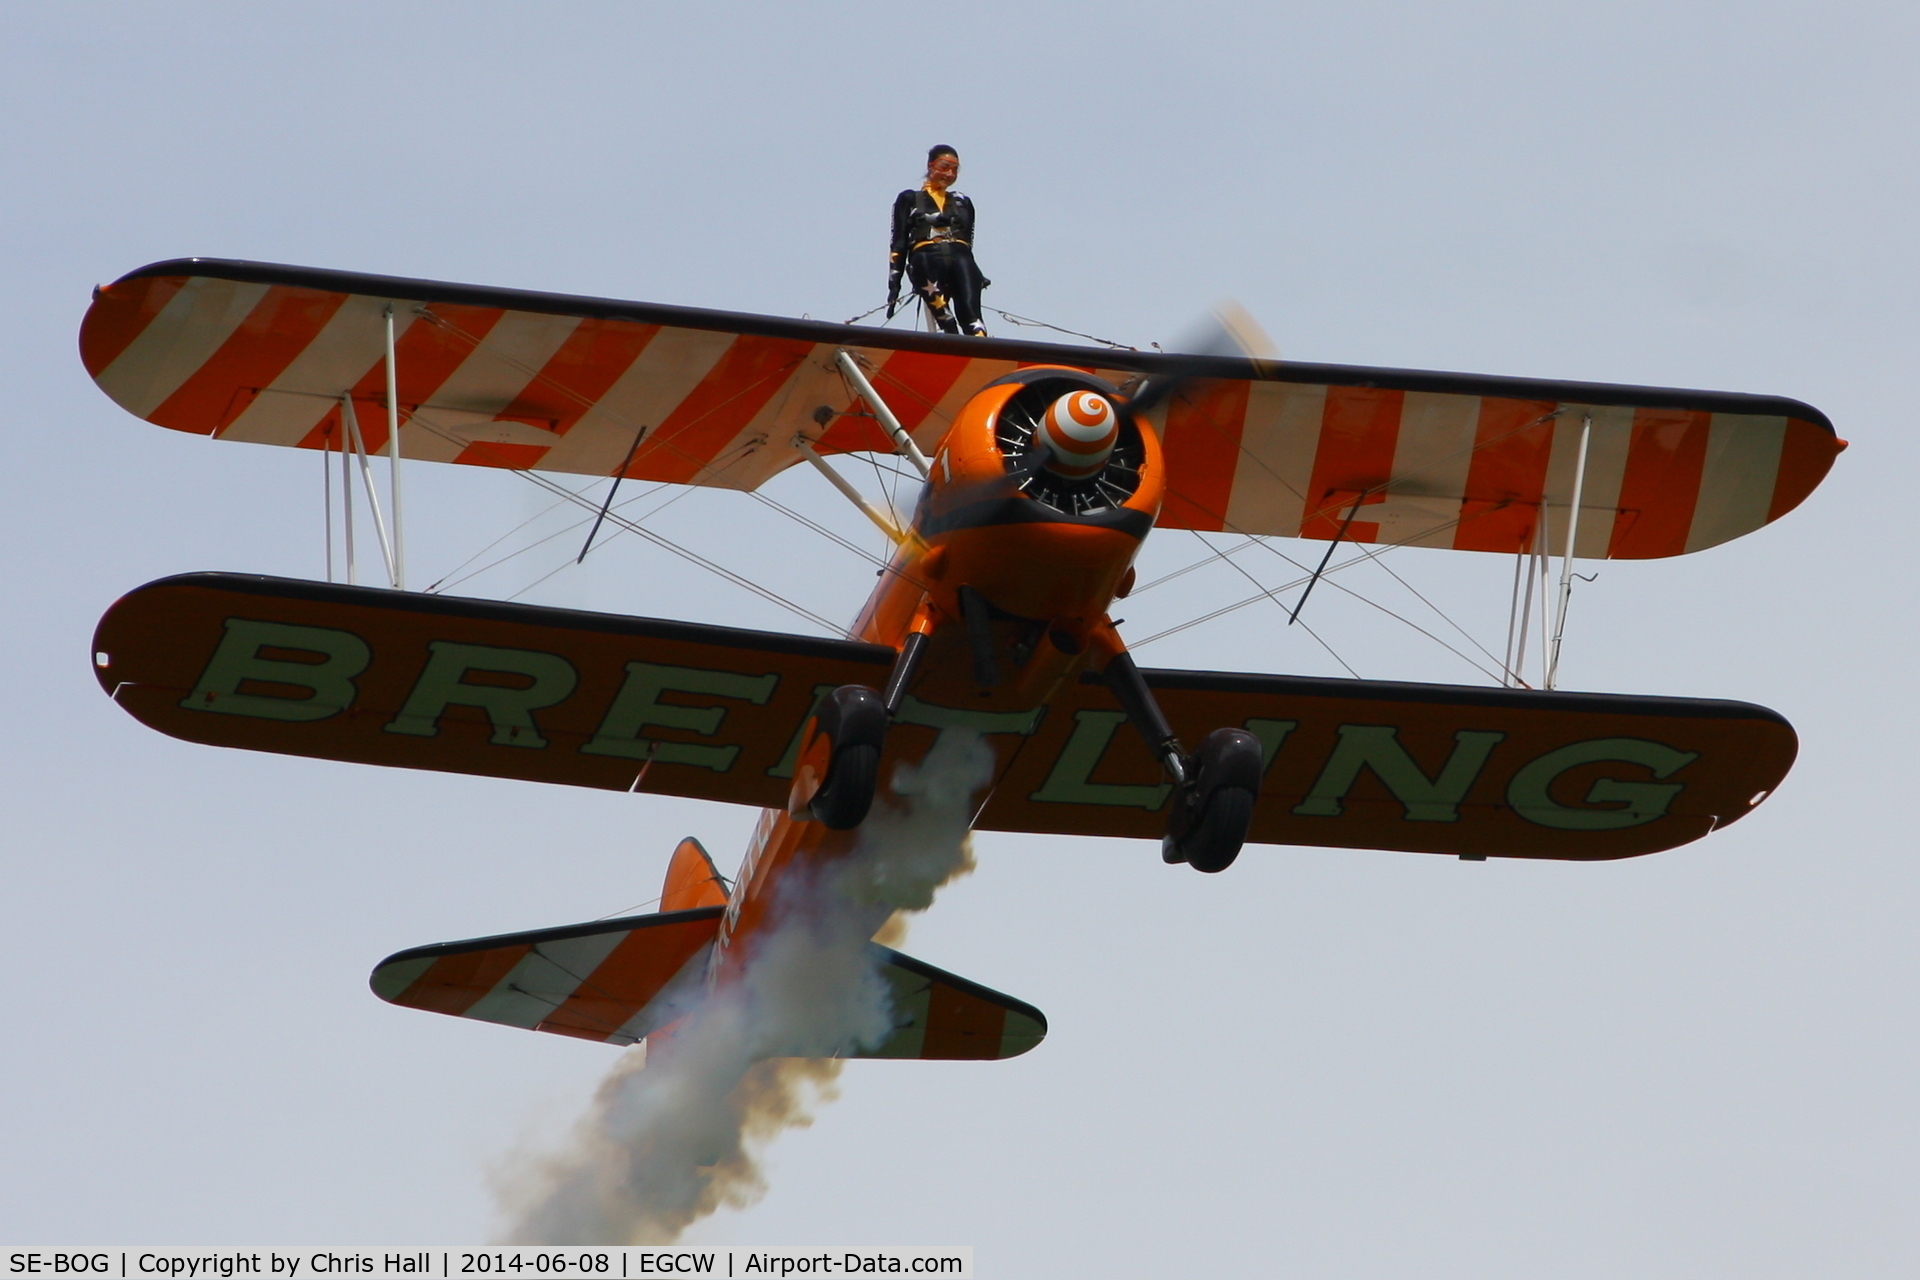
x=1046, y=554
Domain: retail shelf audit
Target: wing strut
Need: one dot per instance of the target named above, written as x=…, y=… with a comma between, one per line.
x=352, y=421
x=607, y=506
x=399, y=562
x=326, y=498
x=852, y=494
x=908, y=449
x=1307, y=590
x=1566, y=563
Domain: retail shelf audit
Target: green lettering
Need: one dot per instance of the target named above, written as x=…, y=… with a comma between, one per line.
x=1530, y=791
x=1068, y=782
x=329, y=682
x=638, y=706
x=551, y=678
x=1377, y=747
x=791, y=759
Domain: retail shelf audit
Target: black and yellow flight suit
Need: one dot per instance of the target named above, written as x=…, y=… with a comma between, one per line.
x=933, y=241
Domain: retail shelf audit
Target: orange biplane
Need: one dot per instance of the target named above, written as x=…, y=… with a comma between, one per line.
x=1045, y=467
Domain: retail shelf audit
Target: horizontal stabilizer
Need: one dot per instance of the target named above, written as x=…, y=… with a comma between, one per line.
x=611, y=980
x=617, y=981
x=937, y=1014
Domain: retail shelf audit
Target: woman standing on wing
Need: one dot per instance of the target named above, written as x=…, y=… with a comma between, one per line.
x=933, y=244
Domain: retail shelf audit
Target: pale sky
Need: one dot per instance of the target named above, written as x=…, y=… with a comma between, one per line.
x=1322, y=1063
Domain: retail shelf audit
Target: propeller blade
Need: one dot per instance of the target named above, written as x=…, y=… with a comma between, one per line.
x=1229, y=329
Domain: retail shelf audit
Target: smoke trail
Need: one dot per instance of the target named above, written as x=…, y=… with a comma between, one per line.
x=666, y=1142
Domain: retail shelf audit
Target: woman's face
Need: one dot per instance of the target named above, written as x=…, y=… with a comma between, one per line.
x=941, y=173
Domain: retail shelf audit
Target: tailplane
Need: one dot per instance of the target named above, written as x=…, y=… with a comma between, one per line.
x=620, y=981
x=611, y=980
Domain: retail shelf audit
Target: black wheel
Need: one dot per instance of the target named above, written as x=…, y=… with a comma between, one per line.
x=853, y=722
x=1214, y=840
x=1211, y=813
x=844, y=798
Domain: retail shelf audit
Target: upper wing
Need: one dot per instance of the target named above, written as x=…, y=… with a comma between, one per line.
x=1485, y=464
x=508, y=378
x=1374, y=764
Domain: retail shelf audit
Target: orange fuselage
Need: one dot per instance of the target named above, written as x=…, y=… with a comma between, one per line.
x=1049, y=575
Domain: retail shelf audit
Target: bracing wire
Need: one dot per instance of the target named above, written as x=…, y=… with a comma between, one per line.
x=1384, y=567
x=1220, y=554
x=448, y=580
x=1030, y=322
x=820, y=529
x=565, y=494
x=1242, y=571
x=1266, y=594
x=564, y=531
x=692, y=557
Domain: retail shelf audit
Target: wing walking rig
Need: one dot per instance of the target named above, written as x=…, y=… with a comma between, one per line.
x=1046, y=466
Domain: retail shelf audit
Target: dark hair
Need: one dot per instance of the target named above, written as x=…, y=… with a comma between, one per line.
x=934, y=153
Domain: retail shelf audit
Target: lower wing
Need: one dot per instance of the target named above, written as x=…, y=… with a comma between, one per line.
x=715, y=713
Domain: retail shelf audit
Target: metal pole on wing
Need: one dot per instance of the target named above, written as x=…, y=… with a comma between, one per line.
x=346, y=495
x=613, y=489
x=1322, y=568
x=326, y=497
x=1566, y=562
x=904, y=442
x=852, y=494
x=393, y=457
x=1543, y=557
x=366, y=481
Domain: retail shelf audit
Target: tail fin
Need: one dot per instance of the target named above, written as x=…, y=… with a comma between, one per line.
x=692, y=880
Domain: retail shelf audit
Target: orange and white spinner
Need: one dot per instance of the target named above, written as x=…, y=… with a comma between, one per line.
x=1080, y=429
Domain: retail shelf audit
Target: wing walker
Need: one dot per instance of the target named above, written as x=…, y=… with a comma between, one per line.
x=1042, y=468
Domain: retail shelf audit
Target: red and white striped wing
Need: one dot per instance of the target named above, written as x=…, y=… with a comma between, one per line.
x=1486, y=464
x=505, y=378
x=501, y=378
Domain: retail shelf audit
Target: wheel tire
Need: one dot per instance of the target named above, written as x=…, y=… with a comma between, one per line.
x=854, y=721
x=1214, y=840
x=844, y=798
x=1210, y=816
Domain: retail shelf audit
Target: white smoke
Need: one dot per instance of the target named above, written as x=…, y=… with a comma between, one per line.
x=672, y=1134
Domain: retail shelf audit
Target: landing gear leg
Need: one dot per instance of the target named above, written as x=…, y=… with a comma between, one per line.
x=1214, y=789
x=905, y=667
x=1124, y=678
